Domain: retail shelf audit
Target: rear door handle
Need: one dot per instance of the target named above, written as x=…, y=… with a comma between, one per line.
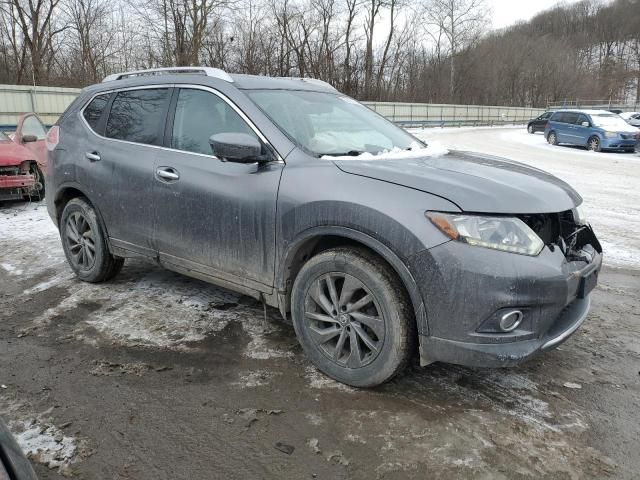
x=167, y=173
x=93, y=156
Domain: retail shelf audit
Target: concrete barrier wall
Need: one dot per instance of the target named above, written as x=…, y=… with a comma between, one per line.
x=50, y=102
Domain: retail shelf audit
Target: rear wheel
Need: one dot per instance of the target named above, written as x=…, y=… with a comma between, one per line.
x=593, y=144
x=85, y=245
x=352, y=317
x=552, y=138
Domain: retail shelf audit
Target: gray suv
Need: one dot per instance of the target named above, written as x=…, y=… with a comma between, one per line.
x=376, y=246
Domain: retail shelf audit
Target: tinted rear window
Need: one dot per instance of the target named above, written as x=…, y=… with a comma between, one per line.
x=138, y=116
x=94, y=110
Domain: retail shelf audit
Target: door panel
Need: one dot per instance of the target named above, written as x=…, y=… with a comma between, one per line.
x=30, y=124
x=582, y=133
x=217, y=217
x=120, y=168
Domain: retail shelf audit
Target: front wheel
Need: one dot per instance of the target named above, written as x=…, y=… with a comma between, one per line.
x=594, y=144
x=552, y=138
x=352, y=317
x=85, y=245
x=530, y=129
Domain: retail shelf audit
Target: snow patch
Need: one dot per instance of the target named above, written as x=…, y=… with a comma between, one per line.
x=319, y=380
x=434, y=149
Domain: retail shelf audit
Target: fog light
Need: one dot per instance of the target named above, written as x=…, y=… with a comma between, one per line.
x=510, y=320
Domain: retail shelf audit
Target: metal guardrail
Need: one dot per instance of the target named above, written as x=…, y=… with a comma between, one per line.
x=429, y=114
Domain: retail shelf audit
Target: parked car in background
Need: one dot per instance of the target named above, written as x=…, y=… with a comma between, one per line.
x=594, y=129
x=23, y=160
x=286, y=190
x=13, y=464
x=632, y=118
x=17, y=166
x=538, y=124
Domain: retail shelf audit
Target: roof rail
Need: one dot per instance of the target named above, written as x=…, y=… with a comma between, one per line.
x=208, y=71
x=314, y=81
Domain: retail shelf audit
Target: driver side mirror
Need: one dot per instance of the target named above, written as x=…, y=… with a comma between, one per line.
x=237, y=147
x=585, y=124
x=29, y=138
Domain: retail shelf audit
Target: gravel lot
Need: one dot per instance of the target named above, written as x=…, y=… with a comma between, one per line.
x=157, y=376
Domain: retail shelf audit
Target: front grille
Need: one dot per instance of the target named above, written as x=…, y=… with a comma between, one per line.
x=630, y=136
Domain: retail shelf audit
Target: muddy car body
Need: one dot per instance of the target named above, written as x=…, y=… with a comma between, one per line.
x=476, y=260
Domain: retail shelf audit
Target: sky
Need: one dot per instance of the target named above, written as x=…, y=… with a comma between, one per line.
x=508, y=12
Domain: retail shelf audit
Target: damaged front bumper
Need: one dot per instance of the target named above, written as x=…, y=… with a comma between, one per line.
x=467, y=290
x=15, y=186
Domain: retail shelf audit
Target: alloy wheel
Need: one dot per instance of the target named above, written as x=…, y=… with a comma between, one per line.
x=80, y=241
x=343, y=320
x=594, y=144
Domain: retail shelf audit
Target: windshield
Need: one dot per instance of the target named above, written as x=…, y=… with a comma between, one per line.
x=609, y=121
x=328, y=124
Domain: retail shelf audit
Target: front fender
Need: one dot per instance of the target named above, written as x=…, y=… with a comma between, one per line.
x=374, y=244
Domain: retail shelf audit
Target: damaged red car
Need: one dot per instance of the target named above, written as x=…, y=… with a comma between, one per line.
x=23, y=160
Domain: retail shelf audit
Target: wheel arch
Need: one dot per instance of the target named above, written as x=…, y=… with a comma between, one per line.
x=70, y=191
x=318, y=239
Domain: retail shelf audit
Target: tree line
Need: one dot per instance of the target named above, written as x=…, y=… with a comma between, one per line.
x=436, y=51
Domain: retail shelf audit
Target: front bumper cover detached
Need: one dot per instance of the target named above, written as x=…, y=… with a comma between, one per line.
x=464, y=288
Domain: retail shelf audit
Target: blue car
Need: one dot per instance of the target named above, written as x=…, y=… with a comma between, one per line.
x=595, y=129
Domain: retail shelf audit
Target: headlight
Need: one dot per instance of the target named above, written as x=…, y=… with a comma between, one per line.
x=579, y=215
x=610, y=134
x=501, y=233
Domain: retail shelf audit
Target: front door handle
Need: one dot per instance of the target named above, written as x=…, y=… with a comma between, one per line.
x=167, y=173
x=93, y=156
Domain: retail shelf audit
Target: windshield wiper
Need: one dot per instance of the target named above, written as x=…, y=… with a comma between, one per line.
x=350, y=153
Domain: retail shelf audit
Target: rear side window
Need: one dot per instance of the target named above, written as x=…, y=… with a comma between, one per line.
x=93, y=111
x=138, y=116
x=570, y=117
x=200, y=114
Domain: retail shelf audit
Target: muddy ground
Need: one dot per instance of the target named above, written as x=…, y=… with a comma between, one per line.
x=157, y=376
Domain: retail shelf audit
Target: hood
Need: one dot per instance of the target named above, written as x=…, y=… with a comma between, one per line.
x=13, y=154
x=475, y=182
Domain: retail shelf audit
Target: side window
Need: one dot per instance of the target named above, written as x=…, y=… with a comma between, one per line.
x=570, y=117
x=138, y=116
x=93, y=111
x=557, y=117
x=582, y=118
x=32, y=126
x=200, y=114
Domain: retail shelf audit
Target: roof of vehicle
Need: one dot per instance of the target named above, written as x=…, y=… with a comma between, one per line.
x=586, y=111
x=204, y=75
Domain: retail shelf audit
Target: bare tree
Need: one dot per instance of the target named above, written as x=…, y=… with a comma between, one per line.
x=461, y=22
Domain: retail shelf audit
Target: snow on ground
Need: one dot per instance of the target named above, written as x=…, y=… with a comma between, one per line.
x=41, y=440
x=608, y=182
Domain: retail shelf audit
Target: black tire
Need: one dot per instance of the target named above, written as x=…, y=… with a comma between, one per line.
x=552, y=138
x=389, y=325
x=84, y=243
x=593, y=144
x=530, y=129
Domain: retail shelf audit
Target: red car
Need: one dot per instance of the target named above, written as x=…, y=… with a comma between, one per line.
x=23, y=160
